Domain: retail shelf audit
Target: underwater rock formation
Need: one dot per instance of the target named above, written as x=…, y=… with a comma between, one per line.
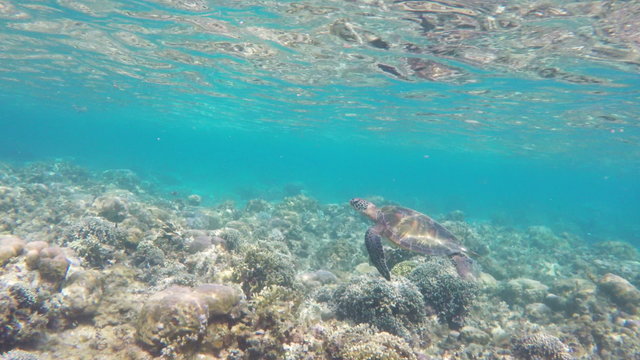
x=313, y=279
x=174, y=317
x=177, y=317
x=444, y=291
x=621, y=292
x=396, y=307
x=523, y=291
x=81, y=294
x=111, y=208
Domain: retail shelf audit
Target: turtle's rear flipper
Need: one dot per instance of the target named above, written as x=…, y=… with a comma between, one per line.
x=373, y=241
x=466, y=267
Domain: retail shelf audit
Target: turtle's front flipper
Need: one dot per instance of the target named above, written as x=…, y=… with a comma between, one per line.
x=373, y=241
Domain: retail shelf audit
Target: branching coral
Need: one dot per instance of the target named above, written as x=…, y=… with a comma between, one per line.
x=95, y=240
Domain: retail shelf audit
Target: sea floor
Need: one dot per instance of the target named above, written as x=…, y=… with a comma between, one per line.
x=109, y=266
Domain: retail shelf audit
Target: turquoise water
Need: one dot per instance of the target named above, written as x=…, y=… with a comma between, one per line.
x=159, y=88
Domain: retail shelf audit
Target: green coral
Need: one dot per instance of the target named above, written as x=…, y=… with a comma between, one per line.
x=444, y=290
x=396, y=307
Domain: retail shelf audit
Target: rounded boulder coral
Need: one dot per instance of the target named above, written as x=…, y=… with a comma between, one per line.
x=363, y=343
x=444, y=290
x=10, y=246
x=178, y=316
x=540, y=347
x=111, y=208
x=396, y=307
x=175, y=316
x=51, y=261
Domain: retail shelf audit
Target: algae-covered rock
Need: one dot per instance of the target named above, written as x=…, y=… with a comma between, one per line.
x=538, y=312
x=313, y=279
x=178, y=316
x=81, y=293
x=621, y=292
x=220, y=299
x=523, y=291
x=175, y=316
x=470, y=334
x=111, y=208
x=618, y=249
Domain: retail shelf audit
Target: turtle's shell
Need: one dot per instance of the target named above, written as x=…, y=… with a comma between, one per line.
x=417, y=232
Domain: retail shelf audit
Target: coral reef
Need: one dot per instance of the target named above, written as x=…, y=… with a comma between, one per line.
x=111, y=208
x=444, y=290
x=621, y=291
x=50, y=261
x=540, y=346
x=261, y=267
x=105, y=265
x=96, y=241
x=22, y=319
x=362, y=342
x=177, y=317
x=395, y=307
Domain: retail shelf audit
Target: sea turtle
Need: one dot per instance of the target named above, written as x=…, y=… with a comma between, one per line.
x=413, y=231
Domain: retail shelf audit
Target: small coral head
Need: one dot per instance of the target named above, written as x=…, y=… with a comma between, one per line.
x=364, y=207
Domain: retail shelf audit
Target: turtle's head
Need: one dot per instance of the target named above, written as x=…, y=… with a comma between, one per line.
x=365, y=208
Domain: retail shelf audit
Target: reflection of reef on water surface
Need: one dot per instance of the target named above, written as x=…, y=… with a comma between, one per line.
x=103, y=265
